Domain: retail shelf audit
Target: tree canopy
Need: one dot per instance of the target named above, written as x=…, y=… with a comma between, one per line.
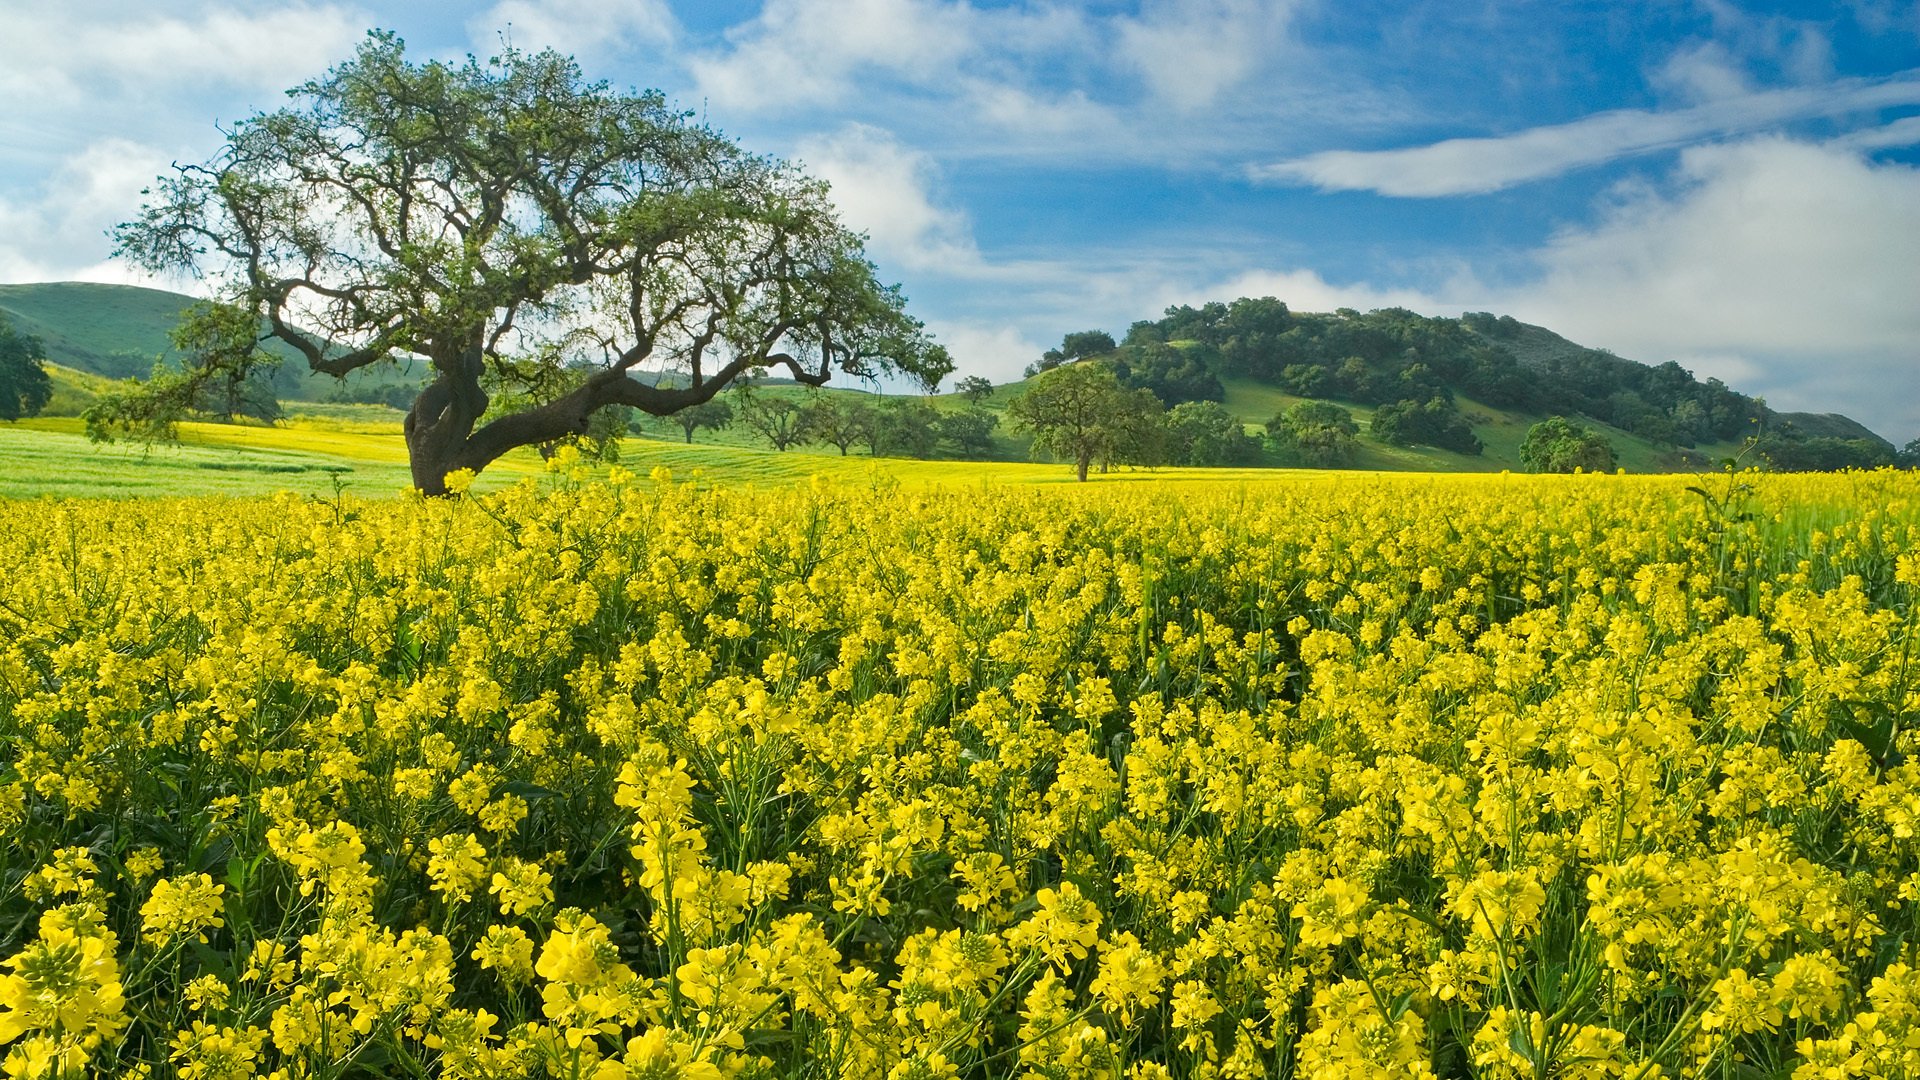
x=1557, y=444
x=505, y=219
x=1081, y=412
x=25, y=387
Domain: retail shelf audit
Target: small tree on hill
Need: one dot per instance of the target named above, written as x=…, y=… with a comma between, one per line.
x=1075, y=346
x=841, y=419
x=1082, y=413
x=713, y=415
x=968, y=431
x=1205, y=433
x=781, y=421
x=1318, y=434
x=975, y=389
x=1559, y=445
x=25, y=387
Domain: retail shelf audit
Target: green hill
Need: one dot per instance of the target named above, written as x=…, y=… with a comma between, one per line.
x=1254, y=356
x=117, y=331
x=109, y=330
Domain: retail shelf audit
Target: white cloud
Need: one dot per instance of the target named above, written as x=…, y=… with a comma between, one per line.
x=1306, y=290
x=997, y=351
x=1786, y=268
x=1191, y=51
x=1902, y=132
x=66, y=52
x=577, y=27
x=886, y=190
x=1480, y=165
x=809, y=52
x=60, y=233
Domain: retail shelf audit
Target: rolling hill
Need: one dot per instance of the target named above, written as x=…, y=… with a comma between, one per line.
x=96, y=333
x=118, y=331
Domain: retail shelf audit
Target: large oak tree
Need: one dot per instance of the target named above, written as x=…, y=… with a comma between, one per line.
x=505, y=220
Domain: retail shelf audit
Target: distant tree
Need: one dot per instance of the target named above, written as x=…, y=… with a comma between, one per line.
x=1085, y=343
x=1304, y=380
x=1318, y=434
x=713, y=415
x=1204, y=433
x=1789, y=451
x=1082, y=413
x=1075, y=346
x=1174, y=375
x=975, y=388
x=968, y=431
x=1435, y=423
x=1909, y=455
x=781, y=421
x=25, y=386
x=840, y=419
x=908, y=427
x=1139, y=433
x=1558, y=445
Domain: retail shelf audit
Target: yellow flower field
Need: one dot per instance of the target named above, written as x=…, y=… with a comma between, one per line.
x=629, y=777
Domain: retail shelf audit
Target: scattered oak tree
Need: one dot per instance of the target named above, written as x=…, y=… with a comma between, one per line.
x=497, y=217
x=908, y=427
x=1204, y=433
x=1556, y=444
x=25, y=386
x=1318, y=434
x=969, y=431
x=780, y=421
x=1082, y=413
x=713, y=415
x=975, y=388
x=840, y=420
x=1436, y=423
x=1075, y=346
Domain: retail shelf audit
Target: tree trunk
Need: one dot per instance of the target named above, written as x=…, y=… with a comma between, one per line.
x=1080, y=466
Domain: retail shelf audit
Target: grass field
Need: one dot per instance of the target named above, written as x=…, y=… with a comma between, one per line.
x=362, y=451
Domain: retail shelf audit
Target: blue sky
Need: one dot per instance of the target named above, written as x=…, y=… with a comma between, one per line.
x=1733, y=186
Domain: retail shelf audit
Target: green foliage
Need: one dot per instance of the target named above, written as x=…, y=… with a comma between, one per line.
x=1557, y=445
x=1204, y=433
x=967, y=432
x=1434, y=423
x=506, y=218
x=974, y=388
x=840, y=419
x=1075, y=346
x=1081, y=412
x=907, y=427
x=25, y=387
x=1393, y=355
x=222, y=373
x=781, y=421
x=715, y=415
x=1318, y=434
x=1789, y=451
x=1172, y=374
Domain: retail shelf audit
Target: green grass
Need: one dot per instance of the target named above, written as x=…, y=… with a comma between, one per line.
x=53, y=457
